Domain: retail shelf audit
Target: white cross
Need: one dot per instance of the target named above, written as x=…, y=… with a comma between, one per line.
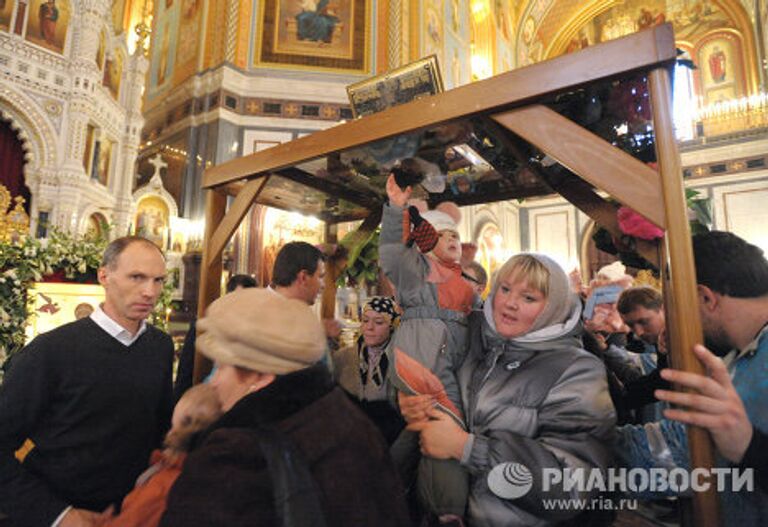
x=158, y=163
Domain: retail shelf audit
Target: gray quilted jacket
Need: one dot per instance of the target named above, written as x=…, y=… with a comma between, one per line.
x=541, y=402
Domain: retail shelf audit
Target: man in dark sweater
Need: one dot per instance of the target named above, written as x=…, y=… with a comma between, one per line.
x=89, y=400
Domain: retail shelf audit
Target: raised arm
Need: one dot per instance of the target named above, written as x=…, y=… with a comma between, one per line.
x=404, y=265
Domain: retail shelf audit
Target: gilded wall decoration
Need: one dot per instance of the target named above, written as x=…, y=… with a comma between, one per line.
x=329, y=34
x=432, y=35
x=6, y=13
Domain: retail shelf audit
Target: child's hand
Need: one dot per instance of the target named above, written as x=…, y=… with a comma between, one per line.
x=397, y=196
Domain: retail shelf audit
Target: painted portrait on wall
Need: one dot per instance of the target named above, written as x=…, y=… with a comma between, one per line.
x=433, y=28
x=164, y=40
x=113, y=72
x=189, y=31
x=89, y=145
x=6, y=13
x=103, y=161
x=318, y=33
x=152, y=220
x=118, y=15
x=720, y=73
x=48, y=22
x=101, y=50
x=54, y=304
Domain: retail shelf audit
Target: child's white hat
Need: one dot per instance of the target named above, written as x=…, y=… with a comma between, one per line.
x=440, y=220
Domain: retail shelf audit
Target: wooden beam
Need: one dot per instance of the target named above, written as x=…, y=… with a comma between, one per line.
x=370, y=202
x=682, y=316
x=639, y=51
x=583, y=197
x=231, y=221
x=606, y=167
x=210, y=270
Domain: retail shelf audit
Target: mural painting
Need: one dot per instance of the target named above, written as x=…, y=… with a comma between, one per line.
x=762, y=20
x=89, y=145
x=54, y=304
x=189, y=31
x=101, y=50
x=318, y=33
x=48, y=22
x=118, y=15
x=719, y=75
x=6, y=13
x=694, y=18
x=455, y=16
x=100, y=170
x=691, y=20
x=166, y=29
x=504, y=13
x=490, y=245
x=152, y=220
x=433, y=28
x=619, y=21
x=113, y=72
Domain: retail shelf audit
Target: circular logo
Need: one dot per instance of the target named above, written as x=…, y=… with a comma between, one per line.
x=510, y=480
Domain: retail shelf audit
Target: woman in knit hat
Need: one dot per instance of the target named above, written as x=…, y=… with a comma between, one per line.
x=362, y=370
x=537, y=400
x=291, y=448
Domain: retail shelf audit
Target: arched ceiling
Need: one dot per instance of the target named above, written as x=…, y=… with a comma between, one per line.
x=547, y=27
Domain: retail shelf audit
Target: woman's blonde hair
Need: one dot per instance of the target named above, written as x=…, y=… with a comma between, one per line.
x=523, y=268
x=199, y=407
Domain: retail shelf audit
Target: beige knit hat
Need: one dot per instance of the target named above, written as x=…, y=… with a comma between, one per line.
x=261, y=330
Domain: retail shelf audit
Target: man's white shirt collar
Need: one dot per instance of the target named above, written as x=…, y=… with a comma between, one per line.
x=116, y=330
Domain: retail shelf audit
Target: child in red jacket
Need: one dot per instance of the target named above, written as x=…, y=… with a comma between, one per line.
x=198, y=408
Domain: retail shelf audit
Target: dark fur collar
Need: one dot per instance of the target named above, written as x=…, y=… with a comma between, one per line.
x=285, y=396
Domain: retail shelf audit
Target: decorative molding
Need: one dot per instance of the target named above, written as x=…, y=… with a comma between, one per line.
x=245, y=106
x=394, y=34
x=726, y=167
x=36, y=132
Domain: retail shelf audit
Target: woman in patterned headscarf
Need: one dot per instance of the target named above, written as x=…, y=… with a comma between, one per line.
x=362, y=369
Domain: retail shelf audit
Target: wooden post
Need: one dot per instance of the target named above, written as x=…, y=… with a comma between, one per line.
x=210, y=271
x=682, y=316
x=332, y=271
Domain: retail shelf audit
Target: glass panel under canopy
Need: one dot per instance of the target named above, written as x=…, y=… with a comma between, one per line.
x=467, y=161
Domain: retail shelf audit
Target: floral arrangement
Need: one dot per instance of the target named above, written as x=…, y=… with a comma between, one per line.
x=61, y=257
x=362, y=261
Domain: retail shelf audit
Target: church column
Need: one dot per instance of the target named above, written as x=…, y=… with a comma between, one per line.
x=394, y=34
x=131, y=98
x=86, y=78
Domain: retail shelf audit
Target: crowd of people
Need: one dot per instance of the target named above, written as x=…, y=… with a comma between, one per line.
x=458, y=393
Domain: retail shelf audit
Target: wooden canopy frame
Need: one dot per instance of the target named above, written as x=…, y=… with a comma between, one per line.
x=513, y=102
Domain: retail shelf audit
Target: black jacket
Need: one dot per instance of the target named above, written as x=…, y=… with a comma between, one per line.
x=232, y=479
x=94, y=410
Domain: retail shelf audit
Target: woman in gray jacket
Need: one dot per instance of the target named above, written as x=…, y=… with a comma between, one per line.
x=536, y=402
